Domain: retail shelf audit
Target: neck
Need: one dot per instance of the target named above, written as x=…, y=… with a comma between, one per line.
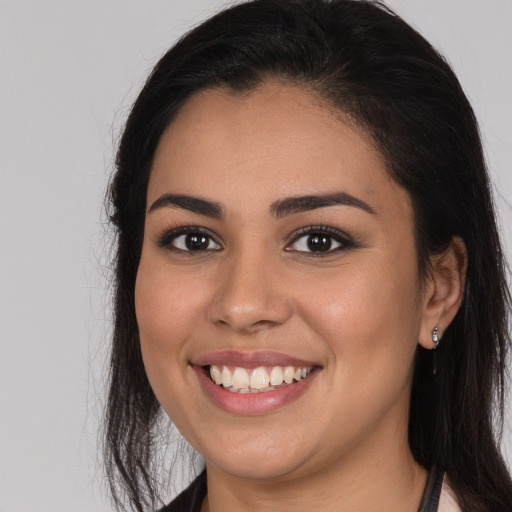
x=392, y=481
x=375, y=471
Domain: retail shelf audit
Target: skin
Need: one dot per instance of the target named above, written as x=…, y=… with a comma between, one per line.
x=357, y=312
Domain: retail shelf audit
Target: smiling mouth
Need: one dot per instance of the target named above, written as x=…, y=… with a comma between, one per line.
x=258, y=380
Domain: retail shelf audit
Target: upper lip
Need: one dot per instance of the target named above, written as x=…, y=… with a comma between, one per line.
x=250, y=359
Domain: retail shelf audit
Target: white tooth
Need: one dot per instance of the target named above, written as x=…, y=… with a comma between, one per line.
x=240, y=379
x=276, y=376
x=296, y=375
x=288, y=374
x=215, y=375
x=303, y=372
x=259, y=378
x=227, y=378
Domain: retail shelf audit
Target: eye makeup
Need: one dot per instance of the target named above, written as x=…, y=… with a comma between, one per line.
x=189, y=239
x=320, y=240
x=315, y=240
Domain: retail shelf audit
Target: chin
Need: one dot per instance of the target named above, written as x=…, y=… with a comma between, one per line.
x=256, y=467
x=255, y=459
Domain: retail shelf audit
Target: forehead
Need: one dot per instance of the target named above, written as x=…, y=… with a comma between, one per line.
x=277, y=140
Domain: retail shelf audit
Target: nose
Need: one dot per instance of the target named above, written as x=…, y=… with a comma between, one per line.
x=251, y=295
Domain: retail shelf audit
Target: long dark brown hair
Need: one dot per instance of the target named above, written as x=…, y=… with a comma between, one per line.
x=367, y=62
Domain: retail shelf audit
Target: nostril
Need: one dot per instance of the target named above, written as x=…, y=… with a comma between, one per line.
x=248, y=300
x=247, y=326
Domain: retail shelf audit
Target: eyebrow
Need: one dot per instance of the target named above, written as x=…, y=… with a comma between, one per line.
x=312, y=202
x=279, y=209
x=190, y=203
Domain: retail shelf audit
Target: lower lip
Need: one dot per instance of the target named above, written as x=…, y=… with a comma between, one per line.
x=253, y=403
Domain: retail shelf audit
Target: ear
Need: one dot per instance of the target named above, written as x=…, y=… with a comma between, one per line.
x=443, y=290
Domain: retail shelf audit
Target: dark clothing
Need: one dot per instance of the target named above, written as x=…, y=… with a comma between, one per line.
x=191, y=499
x=430, y=499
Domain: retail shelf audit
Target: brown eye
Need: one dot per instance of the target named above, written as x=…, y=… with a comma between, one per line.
x=315, y=243
x=193, y=242
x=319, y=243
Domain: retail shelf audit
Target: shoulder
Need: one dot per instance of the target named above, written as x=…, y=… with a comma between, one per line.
x=447, y=501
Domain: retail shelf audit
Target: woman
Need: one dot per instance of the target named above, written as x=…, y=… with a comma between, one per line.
x=309, y=280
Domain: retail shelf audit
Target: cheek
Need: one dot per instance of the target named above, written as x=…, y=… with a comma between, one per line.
x=167, y=310
x=367, y=314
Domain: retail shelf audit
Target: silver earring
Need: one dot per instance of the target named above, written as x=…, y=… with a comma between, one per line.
x=435, y=336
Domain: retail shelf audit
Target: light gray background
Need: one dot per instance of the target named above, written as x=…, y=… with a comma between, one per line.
x=69, y=71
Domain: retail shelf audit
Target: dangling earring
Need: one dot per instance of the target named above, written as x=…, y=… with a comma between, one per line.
x=435, y=336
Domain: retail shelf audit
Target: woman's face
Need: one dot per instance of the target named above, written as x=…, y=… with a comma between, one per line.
x=279, y=257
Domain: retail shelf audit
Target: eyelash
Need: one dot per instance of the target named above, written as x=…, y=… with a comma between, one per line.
x=345, y=242
x=170, y=237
